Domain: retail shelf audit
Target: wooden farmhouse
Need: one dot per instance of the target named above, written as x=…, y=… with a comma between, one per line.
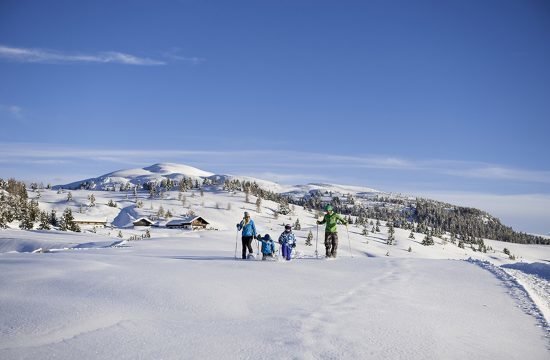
x=190, y=223
x=92, y=221
x=143, y=222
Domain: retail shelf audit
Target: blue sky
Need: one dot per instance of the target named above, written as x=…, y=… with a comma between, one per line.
x=444, y=99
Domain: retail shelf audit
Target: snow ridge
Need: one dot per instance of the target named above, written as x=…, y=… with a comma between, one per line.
x=518, y=292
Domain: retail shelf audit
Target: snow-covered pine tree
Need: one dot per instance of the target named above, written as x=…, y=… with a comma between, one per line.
x=44, y=221
x=391, y=233
x=297, y=225
x=69, y=196
x=3, y=219
x=309, y=238
x=428, y=240
x=411, y=235
x=26, y=223
x=259, y=205
x=160, y=212
x=91, y=198
x=53, y=218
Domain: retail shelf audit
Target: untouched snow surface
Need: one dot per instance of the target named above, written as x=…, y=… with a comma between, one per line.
x=183, y=295
x=186, y=297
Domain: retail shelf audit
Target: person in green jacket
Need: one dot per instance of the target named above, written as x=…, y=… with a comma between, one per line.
x=331, y=232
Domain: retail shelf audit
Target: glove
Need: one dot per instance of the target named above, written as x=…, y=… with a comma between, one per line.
x=318, y=222
x=293, y=245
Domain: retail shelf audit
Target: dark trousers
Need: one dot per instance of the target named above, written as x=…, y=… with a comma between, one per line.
x=331, y=244
x=247, y=243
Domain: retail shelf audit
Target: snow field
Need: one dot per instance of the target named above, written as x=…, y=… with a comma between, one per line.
x=181, y=294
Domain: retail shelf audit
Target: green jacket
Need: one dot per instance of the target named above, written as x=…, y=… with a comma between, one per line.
x=332, y=220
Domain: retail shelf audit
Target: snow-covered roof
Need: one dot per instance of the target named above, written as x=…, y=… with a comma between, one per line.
x=144, y=219
x=89, y=219
x=184, y=221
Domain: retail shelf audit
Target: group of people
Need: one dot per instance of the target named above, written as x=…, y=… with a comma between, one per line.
x=287, y=239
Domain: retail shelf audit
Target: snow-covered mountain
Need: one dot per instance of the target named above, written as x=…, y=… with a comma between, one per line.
x=177, y=172
x=354, y=200
x=138, y=176
x=156, y=174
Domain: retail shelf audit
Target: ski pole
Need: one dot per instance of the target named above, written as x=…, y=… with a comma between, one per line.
x=349, y=242
x=317, y=241
x=236, y=240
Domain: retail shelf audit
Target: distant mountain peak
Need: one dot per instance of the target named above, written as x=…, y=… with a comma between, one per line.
x=173, y=168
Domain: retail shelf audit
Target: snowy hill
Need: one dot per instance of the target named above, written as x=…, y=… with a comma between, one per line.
x=140, y=176
x=112, y=292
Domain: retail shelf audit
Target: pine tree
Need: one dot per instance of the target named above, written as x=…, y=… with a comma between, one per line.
x=69, y=196
x=147, y=234
x=67, y=222
x=3, y=219
x=160, y=212
x=309, y=238
x=92, y=199
x=428, y=240
x=391, y=234
x=44, y=221
x=259, y=204
x=297, y=225
x=411, y=236
x=26, y=222
x=53, y=218
x=120, y=234
x=365, y=231
x=461, y=244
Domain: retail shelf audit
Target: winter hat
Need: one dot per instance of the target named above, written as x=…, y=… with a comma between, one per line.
x=288, y=227
x=328, y=207
x=246, y=214
x=267, y=237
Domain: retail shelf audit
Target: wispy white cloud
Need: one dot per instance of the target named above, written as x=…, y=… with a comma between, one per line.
x=12, y=110
x=177, y=55
x=31, y=55
x=305, y=163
